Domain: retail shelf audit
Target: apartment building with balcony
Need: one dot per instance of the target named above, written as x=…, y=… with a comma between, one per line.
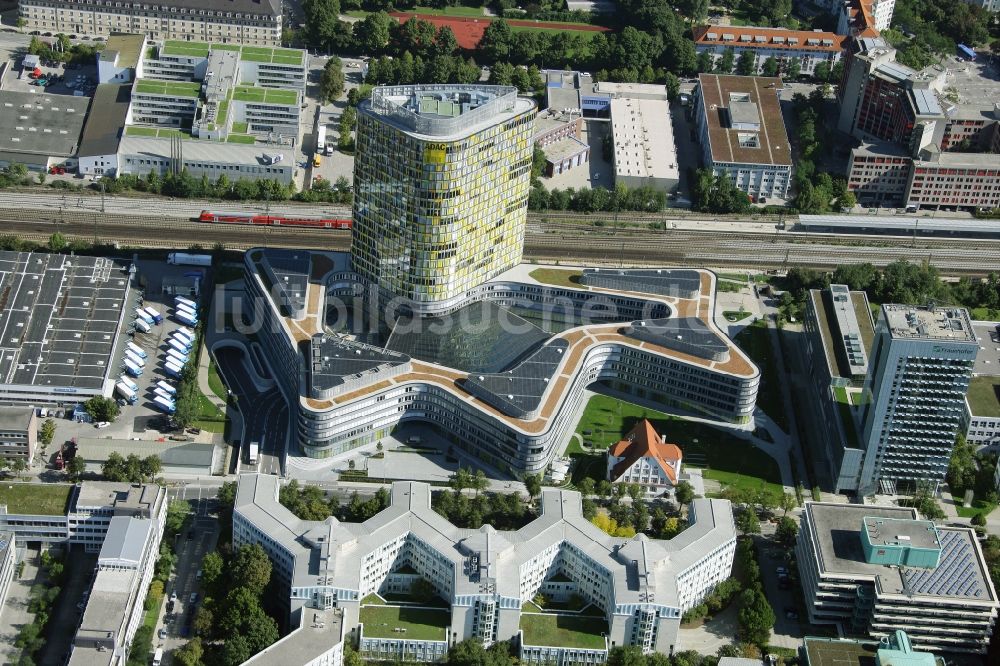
x=809, y=48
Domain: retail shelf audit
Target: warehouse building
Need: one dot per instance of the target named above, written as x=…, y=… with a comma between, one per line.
x=40, y=130
x=874, y=570
x=645, y=154
x=742, y=133
x=140, y=155
x=105, y=127
x=59, y=326
x=119, y=61
x=177, y=458
x=641, y=586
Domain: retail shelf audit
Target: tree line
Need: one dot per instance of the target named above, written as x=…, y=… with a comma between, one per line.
x=312, y=503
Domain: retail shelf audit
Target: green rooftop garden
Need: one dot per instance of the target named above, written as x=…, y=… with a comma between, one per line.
x=172, y=88
x=223, y=112
x=239, y=127
x=163, y=133
x=241, y=138
x=39, y=499
x=547, y=629
x=193, y=49
x=419, y=624
x=265, y=95
x=843, y=399
x=983, y=399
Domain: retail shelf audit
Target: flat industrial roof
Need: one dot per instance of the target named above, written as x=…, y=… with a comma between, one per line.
x=106, y=120
x=41, y=123
x=209, y=151
x=199, y=455
x=59, y=319
x=643, y=139
x=15, y=418
x=836, y=532
x=319, y=632
x=771, y=146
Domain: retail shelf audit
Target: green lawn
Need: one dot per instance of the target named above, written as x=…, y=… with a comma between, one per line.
x=586, y=34
x=754, y=341
x=843, y=400
x=241, y=138
x=172, y=88
x=223, y=113
x=42, y=499
x=557, y=276
x=978, y=506
x=239, y=128
x=446, y=11
x=547, y=629
x=725, y=286
x=419, y=623
x=983, y=396
x=735, y=315
x=265, y=95
x=195, y=49
x=215, y=382
x=725, y=457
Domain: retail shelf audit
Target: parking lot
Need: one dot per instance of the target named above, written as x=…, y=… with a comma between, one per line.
x=70, y=79
x=144, y=419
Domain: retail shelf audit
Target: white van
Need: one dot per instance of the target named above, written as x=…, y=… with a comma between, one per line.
x=157, y=657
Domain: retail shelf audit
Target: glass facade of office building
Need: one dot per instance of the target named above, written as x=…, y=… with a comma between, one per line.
x=441, y=189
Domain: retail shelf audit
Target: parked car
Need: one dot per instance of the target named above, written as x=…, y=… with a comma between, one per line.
x=102, y=424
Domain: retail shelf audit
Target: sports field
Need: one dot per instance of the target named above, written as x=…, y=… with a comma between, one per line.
x=469, y=30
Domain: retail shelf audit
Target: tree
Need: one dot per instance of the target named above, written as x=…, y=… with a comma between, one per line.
x=190, y=653
x=822, y=71
x=75, y=468
x=371, y=35
x=533, y=484
x=102, y=409
x=604, y=489
x=747, y=521
x=683, y=493
x=113, y=468
x=586, y=486
x=445, y=41
x=727, y=61
x=322, y=22
x=251, y=568
x=756, y=618
x=979, y=520
x=331, y=84
x=794, y=68
x=787, y=503
x=746, y=64
x=211, y=568
x=57, y=242
x=962, y=467
x=495, y=44
x=846, y=201
x=460, y=480
x=150, y=466
x=177, y=513
x=626, y=656
x=787, y=530
x=770, y=67
x=479, y=481
x=48, y=432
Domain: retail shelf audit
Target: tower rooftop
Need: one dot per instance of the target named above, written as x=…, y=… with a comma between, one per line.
x=949, y=324
x=446, y=111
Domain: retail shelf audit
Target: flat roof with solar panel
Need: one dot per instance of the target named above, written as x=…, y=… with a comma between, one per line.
x=853, y=542
x=60, y=318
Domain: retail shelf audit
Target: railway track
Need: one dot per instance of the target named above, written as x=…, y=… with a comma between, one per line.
x=567, y=243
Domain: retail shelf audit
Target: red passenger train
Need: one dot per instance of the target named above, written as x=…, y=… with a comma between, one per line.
x=273, y=220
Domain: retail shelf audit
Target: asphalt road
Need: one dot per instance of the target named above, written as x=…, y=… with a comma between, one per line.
x=265, y=414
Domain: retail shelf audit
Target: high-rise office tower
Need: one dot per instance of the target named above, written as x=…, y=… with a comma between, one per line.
x=920, y=365
x=441, y=185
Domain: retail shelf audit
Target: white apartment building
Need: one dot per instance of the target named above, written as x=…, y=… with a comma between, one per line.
x=486, y=576
x=874, y=570
x=809, y=48
x=742, y=133
x=918, y=377
x=255, y=22
x=115, y=607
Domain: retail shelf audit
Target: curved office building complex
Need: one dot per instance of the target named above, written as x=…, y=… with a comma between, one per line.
x=502, y=376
